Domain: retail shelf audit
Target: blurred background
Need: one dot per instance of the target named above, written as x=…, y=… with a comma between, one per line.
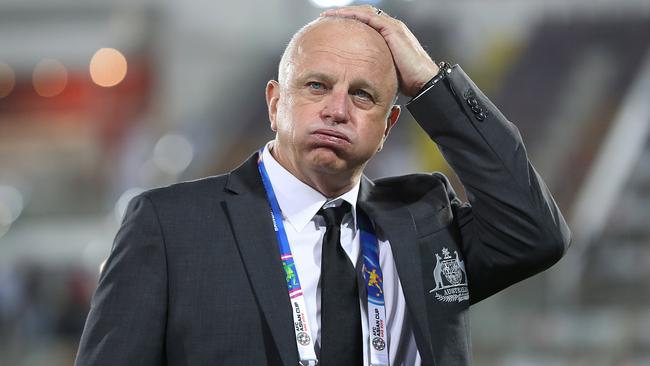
x=100, y=100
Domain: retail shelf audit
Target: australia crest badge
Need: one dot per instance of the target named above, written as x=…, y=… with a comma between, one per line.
x=450, y=278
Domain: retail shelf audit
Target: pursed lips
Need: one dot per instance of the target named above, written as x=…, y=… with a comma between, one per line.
x=332, y=133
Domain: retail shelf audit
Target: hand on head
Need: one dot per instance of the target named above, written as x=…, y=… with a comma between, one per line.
x=414, y=66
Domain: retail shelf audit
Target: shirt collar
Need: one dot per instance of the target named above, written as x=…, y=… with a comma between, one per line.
x=298, y=201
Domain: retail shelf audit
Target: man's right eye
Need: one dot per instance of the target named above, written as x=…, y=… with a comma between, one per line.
x=315, y=85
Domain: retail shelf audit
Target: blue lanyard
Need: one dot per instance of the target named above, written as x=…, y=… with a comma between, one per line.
x=375, y=289
x=371, y=272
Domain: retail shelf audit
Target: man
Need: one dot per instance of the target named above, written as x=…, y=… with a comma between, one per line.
x=248, y=269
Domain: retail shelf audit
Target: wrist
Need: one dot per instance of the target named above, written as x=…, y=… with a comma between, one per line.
x=425, y=77
x=443, y=69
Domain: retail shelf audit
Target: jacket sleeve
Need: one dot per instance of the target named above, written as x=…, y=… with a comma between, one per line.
x=511, y=228
x=126, y=322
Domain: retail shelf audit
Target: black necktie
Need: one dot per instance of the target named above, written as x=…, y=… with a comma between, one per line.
x=340, y=315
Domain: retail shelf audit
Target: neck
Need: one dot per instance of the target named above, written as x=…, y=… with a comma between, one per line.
x=329, y=184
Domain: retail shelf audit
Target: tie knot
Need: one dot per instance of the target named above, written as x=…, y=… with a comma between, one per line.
x=334, y=215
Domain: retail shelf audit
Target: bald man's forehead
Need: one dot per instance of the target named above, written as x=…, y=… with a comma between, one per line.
x=352, y=42
x=368, y=60
x=289, y=51
x=348, y=38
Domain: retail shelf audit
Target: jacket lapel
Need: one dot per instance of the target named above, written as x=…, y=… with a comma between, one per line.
x=396, y=221
x=256, y=239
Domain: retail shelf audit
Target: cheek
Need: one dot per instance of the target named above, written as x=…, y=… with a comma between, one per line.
x=296, y=117
x=284, y=116
x=288, y=121
x=373, y=130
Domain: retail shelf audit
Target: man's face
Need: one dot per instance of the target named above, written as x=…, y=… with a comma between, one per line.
x=335, y=105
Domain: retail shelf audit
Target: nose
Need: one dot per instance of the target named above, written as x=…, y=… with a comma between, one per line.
x=336, y=107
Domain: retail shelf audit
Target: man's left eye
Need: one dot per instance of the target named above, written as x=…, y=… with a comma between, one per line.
x=362, y=94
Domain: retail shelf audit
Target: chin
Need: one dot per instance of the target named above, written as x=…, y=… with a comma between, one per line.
x=328, y=161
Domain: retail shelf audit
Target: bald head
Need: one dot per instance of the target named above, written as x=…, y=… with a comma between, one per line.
x=350, y=35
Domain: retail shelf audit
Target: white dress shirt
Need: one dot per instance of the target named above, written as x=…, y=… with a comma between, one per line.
x=299, y=204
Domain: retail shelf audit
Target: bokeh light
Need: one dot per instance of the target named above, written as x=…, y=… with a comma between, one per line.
x=108, y=67
x=173, y=153
x=11, y=205
x=5, y=219
x=49, y=78
x=123, y=202
x=7, y=80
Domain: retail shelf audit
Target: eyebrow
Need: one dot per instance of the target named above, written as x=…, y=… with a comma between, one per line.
x=355, y=83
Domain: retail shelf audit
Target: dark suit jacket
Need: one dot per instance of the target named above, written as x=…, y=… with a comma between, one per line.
x=194, y=276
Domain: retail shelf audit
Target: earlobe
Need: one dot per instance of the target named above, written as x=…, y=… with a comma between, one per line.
x=272, y=98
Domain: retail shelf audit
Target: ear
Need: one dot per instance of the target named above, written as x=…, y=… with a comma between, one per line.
x=392, y=118
x=272, y=98
x=393, y=115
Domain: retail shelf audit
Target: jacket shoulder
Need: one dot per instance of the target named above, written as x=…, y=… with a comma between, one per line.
x=188, y=191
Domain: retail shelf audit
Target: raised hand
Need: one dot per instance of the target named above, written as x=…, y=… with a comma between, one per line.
x=414, y=66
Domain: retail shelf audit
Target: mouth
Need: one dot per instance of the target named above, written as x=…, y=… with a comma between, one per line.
x=331, y=135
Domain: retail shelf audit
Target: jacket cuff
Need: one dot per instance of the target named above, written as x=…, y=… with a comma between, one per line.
x=455, y=97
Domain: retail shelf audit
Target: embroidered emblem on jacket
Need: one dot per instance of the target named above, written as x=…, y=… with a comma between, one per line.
x=450, y=278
